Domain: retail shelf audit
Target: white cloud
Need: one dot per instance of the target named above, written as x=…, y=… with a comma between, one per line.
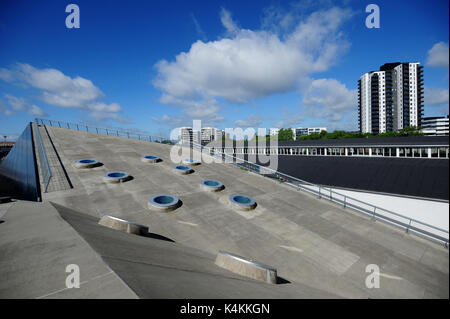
x=20, y=104
x=227, y=22
x=36, y=111
x=102, y=107
x=6, y=75
x=251, y=121
x=198, y=28
x=17, y=104
x=329, y=99
x=251, y=64
x=60, y=90
x=438, y=55
x=435, y=96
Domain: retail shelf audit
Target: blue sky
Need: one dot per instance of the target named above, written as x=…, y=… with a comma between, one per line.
x=156, y=65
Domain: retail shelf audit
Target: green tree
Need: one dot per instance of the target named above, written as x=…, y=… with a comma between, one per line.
x=285, y=135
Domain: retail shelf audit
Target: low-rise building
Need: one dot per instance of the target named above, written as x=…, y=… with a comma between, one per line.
x=435, y=125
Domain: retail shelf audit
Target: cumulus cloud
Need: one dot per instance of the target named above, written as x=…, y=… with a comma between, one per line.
x=251, y=121
x=329, y=99
x=438, y=55
x=60, y=90
x=434, y=96
x=248, y=64
x=20, y=104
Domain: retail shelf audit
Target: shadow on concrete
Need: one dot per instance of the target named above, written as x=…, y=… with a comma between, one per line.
x=128, y=179
x=180, y=203
x=156, y=236
x=2, y=221
x=282, y=281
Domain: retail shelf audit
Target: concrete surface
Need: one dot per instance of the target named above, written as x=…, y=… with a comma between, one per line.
x=156, y=267
x=320, y=249
x=36, y=246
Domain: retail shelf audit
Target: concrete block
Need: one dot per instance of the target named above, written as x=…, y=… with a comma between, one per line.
x=246, y=267
x=123, y=225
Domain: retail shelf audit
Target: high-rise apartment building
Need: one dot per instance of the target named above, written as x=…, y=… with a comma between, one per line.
x=391, y=99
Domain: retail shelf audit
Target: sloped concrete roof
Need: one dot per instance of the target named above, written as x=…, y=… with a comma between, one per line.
x=322, y=250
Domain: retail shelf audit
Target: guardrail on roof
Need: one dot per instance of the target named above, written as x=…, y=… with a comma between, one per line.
x=376, y=212
x=106, y=131
x=46, y=172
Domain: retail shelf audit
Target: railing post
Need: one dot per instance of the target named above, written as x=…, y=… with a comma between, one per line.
x=345, y=201
x=128, y=135
x=96, y=129
x=68, y=126
x=117, y=133
x=59, y=124
x=77, y=128
x=373, y=215
x=139, y=137
x=331, y=195
x=319, y=192
x=107, y=132
x=409, y=225
x=87, y=130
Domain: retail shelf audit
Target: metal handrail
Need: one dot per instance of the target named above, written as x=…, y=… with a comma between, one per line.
x=46, y=172
x=108, y=131
x=345, y=201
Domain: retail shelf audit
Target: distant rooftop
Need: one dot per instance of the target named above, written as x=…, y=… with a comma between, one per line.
x=371, y=141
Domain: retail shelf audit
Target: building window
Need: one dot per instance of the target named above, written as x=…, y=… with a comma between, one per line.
x=434, y=152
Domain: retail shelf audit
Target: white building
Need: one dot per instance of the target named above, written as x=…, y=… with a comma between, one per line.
x=435, y=125
x=304, y=131
x=185, y=135
x=274, y=131
x=390, y=99
x=299, y=131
